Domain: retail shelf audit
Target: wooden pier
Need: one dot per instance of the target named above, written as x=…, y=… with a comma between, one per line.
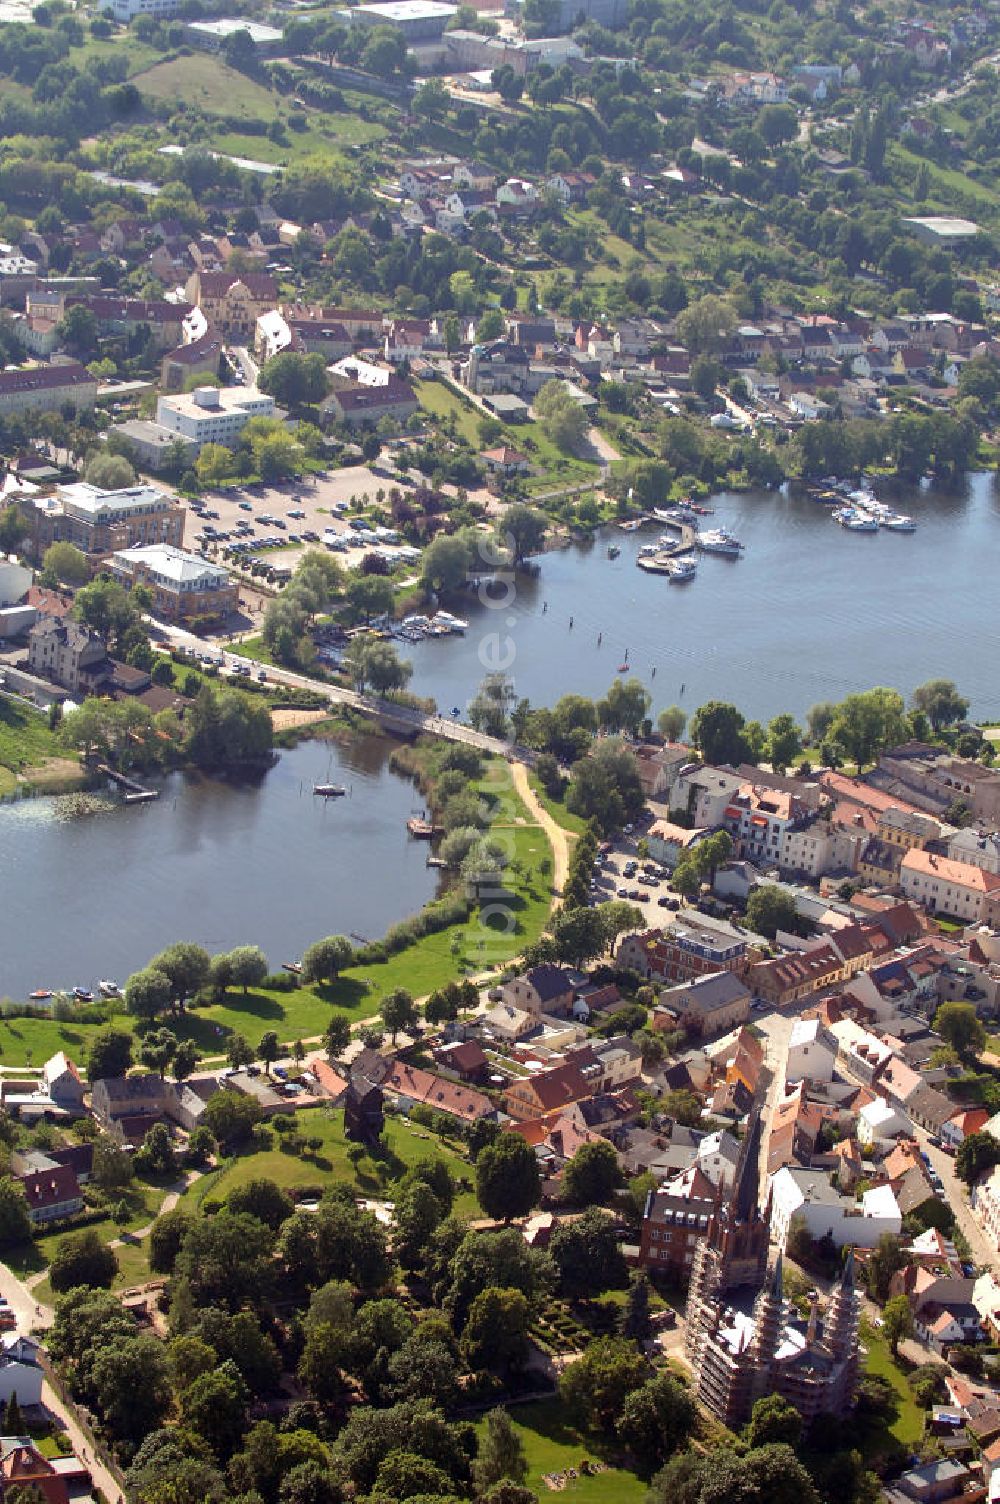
x=132, y=792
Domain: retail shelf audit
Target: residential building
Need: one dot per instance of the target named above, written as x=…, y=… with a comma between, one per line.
x=705, y=794
x=546, y=1091
x=807, y=1197
x=213, y=415
x=957, y=889
x=692, y=947
x=709, y=1005
x=199, y=357
x=543, y=989
x=183, y=585
x=506, y=462
x=47, y=388
x=797, y=974
x=757, y=819
x=232, y=302
x=986, y=1204
x=410, y=1085
x=69, y=655
x=659, y=768
x=668, y=842
x=51, y=1190
x=359, y=402
x=63, y=1082
x=879, y=1123
x=812, y=1052
x=100, y=522
x=21, y=1373
x=673, y=1223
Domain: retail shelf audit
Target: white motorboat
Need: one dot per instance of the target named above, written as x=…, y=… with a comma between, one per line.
x=718, y=541
x=898, y=522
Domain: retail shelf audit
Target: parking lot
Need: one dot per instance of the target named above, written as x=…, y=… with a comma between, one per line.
x=280, y=522
x=622, y=874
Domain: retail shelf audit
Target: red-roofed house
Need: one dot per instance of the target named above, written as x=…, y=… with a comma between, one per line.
x=465, y=1058
x=505, y=461
x=963, y=1124
x=52, y=1193
x=22, y=1466
x=409, y=1085
x=330, y=1082
x=546, y=1091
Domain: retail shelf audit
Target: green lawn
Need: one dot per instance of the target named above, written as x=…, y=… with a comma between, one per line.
x=143, y=1201
x=575, y=824
x=441, y=402
x=208, y=84
x=30, y=1041
x=407, y=1144
x=25, y=738
x=906, y=1429
x=553, y=1446
x=139, y=54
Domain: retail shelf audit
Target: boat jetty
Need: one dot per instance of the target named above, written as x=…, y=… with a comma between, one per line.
x=858, y=509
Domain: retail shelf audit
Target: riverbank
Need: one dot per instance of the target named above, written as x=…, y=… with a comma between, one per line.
x=479, y=942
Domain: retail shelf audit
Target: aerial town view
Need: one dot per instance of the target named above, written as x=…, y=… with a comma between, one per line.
x=499, y=752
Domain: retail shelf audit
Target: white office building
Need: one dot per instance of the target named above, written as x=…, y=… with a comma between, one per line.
x=127, y=10
x=210, y=415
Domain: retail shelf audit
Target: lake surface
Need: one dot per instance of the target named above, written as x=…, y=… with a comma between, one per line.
x=809, y=612
x=223, y=864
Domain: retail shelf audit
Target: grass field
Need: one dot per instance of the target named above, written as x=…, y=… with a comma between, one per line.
x=551, y=1445
x=575, y=824
x=407, y=1146
x=25, y=739
x=206, y=83
x=138, y=54
x=906, y=1428
x=441, y=402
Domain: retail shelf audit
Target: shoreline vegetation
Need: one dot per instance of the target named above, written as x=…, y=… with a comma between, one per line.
x=448, y=937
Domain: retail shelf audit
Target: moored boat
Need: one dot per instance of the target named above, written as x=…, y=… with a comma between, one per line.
x=682, y=570
x=899, y=522
x=108, y=988
x=329, y=790
x=855, y=521
x=719, y=541
x=40, y=994
x=613, y=551
x=83, y=994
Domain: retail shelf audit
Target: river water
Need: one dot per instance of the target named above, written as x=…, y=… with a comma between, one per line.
x=219, y=863
x=809, y=612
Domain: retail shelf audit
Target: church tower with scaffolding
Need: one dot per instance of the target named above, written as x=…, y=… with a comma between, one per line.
x=742, y=1339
